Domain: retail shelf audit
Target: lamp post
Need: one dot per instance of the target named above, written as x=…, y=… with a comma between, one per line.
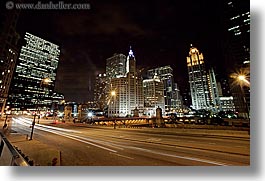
x=242, y=81
x=242, y=78
x=112, y=94
x=44, y=81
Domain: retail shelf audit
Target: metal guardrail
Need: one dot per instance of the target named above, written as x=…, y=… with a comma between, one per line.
x=9, y=156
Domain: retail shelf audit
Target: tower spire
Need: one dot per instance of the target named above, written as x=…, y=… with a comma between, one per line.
x=131, y=52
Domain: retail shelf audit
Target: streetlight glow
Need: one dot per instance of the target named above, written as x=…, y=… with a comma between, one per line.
x=113, y=93
x=241, y=77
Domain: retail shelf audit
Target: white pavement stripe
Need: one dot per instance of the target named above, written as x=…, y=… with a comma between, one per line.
x=28, y=121
x=57, y=131
x=77, y=138
x=122, y=156
x=183, y=157
x=212, y=143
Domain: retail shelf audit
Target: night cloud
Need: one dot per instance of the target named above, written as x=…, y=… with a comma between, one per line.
x=103, y=21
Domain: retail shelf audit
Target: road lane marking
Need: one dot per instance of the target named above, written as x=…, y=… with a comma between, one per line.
x=77, y=138
x=122, y=156
x=212, y=143
x=153, y=139
x=58, y=132
x=240, y=146
x=182, y=157
x=111, y=145
x=28, y=121
x=80, y=140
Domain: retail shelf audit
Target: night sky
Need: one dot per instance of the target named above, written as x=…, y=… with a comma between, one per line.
x=159, y=31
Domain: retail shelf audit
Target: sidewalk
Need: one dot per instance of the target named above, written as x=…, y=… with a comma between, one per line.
x=41, y=154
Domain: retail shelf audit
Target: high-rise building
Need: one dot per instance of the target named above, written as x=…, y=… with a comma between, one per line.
x=8, y=51
x=177, y=101
x=126, y=93
x=227, y=104
x=100, y=91
x=237, y=50
x=166, y=75
x=214, y=91
x=153, y=95
x=198, y=80
x=116, y=66
x=237, y=21
x=34, y=78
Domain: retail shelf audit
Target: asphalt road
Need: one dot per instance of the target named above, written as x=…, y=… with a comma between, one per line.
x=83, y=145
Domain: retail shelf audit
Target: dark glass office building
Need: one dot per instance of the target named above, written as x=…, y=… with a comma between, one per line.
x=237, y=50
x=33, y=83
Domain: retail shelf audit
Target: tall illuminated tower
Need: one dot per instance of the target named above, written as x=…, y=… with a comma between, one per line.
x=8, y=51
x=198, y=80
x=153, y=95
x=116, y=66
x=35, y=74
x=165, y=73
x=126, y=92
x=131, y=63
x=237, y=50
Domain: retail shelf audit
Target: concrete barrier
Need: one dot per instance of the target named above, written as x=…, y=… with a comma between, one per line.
x=9, y=155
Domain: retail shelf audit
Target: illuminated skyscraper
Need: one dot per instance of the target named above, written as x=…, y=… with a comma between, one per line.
x=237, y=15
x=35, y=74
x=8, y=51
x=198, y=80
x=214, y=91
x=116, y=66
x=153, y=95
x=126, y=93
x=237, y=50
x=171, y=93
x=100, y=91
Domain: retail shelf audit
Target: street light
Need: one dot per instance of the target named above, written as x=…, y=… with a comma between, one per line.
x=241, y=79
x=44, y=81
x=244, y=82
x=112, y=94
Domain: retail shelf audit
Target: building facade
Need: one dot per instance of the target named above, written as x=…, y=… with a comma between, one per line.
x=153, y=96
x=237, y=50
x=237, y=23
x=198, y=80
x=34, y=77
x=125, y=94
x=213, y=91
x=165, y=74
x=100, y=91
x=227, y=104
x=8, y=51
x=116, y=66
x=177, y=101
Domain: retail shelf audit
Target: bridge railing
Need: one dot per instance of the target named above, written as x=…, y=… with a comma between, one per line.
x=9, y=156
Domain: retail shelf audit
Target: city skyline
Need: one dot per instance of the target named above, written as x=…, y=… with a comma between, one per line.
x=159, y=32
x=118, y=83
